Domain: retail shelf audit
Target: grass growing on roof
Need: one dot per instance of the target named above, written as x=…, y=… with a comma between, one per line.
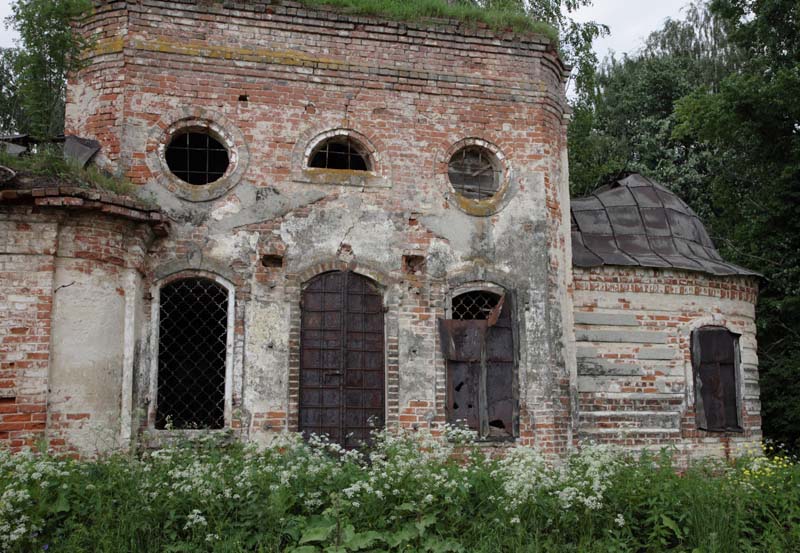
x=49, y=162
x=419, y=10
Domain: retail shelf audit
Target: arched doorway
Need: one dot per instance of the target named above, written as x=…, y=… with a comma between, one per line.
x=342, y=377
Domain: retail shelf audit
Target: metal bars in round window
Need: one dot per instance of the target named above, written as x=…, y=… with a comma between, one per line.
x=192, y=351
x=197, y=158
x=340, y=153
x=474, y=173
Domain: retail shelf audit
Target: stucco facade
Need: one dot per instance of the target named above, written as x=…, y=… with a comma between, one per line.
x=272, y=82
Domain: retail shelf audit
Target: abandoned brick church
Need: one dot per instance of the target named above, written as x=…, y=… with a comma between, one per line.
x=352, y=223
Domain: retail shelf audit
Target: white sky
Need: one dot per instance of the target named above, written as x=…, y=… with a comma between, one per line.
x=630, y=21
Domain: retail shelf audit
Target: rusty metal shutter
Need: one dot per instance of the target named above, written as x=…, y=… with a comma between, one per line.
x=714, y=361
x=481, y=361
x=462, y=346
x=500, y=403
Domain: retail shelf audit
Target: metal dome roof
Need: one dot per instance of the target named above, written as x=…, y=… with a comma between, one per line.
x=638, y=222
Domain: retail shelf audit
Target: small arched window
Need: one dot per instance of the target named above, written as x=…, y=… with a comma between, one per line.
x=192, y=354
x=715, y=361
x=342, y=153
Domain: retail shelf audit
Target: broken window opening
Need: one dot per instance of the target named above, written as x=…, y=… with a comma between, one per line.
x=197, y=157
x=478, y=345
x=192, y=354
x=340, y=152
x=715, y=362
x=474, y=173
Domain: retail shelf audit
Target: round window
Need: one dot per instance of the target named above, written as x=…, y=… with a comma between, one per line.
x=475, y=173
x=197, y=157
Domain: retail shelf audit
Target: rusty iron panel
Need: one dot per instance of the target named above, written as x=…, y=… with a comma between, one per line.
x=480, y=359
x=342, y=358
x=714, y=361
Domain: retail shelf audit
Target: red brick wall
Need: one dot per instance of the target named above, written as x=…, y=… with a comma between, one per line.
x=27, y=248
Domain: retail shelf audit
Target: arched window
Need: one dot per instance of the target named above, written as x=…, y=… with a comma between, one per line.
x=478, y=345
x=340, y=152
x=715, y=362
x=192, y=354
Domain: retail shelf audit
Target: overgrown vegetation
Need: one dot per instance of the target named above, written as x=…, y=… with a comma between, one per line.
x=49, y=163
x=709, y=107
x=410, y=493
x=501, y=17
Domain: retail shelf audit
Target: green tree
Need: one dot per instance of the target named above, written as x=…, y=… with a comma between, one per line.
x=10, y=111
x=752, y=121
x=48, y=51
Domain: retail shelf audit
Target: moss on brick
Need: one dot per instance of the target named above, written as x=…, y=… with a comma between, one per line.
x=421, y=10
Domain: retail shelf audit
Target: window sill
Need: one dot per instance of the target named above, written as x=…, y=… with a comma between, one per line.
x=343, y=177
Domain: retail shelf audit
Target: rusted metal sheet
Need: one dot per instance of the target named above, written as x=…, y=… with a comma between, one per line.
x=500, y=372
x=714, y=362
x=342, y=358
x=636, y=221
x=480, y=357
x=463, y=345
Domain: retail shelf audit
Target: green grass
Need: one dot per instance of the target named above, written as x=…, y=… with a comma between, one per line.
x=420, y=10
x=49, y=162
x=410, y=493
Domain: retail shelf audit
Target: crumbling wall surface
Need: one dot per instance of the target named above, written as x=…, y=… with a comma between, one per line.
x=69, y=283
x=96, y=276
x=633, y=330
x=270, y=80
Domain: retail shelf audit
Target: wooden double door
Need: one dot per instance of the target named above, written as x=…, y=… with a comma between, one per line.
x=342, y=371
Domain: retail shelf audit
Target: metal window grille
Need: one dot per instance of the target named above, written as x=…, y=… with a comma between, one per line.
x=474, y=174
x=192, y=343
x=340, y=153
x=197, y=158
x=475, y=305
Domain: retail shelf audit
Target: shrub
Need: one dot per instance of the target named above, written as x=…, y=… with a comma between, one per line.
x=410, y=492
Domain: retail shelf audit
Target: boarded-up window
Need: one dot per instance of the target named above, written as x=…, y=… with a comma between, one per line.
x=478, y=346
x=715, y=362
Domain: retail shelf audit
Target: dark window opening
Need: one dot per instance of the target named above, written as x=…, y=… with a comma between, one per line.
x=715, y=363
x=476, y=305
x=474, y=173
x=478, y=345
x=197, y=157
x=340, y=153
x=192, y=344
x=243, y=98
x=272, y=261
